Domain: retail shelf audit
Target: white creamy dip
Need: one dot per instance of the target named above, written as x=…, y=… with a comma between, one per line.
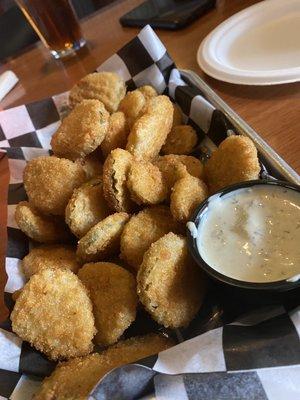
x=252, y=234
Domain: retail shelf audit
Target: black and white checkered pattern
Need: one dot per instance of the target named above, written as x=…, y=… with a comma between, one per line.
x=257, y=357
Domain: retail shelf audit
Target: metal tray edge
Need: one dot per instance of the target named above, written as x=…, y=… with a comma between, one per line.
x=273, y=158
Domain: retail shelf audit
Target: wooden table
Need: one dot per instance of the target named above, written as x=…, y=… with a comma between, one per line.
x=274, y=112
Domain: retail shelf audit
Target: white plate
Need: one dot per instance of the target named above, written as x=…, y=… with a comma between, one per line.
x=257, y=46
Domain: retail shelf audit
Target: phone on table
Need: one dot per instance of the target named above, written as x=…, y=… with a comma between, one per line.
x=167, y=14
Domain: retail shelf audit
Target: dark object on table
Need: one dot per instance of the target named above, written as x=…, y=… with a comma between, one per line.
x=167, y=14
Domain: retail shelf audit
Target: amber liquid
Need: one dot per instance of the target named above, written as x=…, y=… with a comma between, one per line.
x=55, y=22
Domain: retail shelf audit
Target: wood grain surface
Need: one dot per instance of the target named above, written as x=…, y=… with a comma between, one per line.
x=274, y=111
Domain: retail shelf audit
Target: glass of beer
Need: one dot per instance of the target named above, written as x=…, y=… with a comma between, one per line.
x=56, y=24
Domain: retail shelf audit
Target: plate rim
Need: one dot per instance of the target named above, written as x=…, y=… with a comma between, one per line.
x=242, y=76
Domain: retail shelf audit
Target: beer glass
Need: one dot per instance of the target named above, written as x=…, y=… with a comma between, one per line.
x=55, y=23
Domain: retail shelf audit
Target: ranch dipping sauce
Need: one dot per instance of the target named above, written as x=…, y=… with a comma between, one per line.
x=252, y=234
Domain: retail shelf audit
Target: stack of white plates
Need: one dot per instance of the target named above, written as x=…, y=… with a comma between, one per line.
x=257, y=46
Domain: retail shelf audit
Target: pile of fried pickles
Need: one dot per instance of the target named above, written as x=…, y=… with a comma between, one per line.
x=107, y=214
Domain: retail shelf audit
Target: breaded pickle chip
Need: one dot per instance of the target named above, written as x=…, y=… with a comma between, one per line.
x=54, y=314
x=142, y=230
x=107, y=87
x=76, y=378
x=169, y=167
x=133, y=106
x=38, y=227
x=103, y=239
x=148, y=91
x=146, y=184
x=116, y=136
x=113, y=293
x=187, y=193
x=82, y=131
x=86, y=207
x=181, y=140
x=150, y=131
x=115, y=171
x=134, y=103
x=49, y=183
x=177, y=116
x=49, y=256
x=91, y=165
x=170, y=285
x=234, y=161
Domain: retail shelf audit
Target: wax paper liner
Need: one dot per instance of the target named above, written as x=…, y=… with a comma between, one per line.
x=232, y=350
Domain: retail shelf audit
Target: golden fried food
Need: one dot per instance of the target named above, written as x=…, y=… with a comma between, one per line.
x=39, y=227
x=86, y=207
x=142, y=230
x=82, y=131
x=112, y=290
x=103, y=239
x=187, y=193
x=234, y=161
x=116, y=136
x=115, y=171
x=49, y=256
x=150, y=131
x=91, y=165
x=181, y=140
x=54, y=314
x=177, y=116
x=49, y=183
x=170, y=285
x=169, y=166
x=134, y=103
x=76, y=378
x=148, y=91
x=133, y=106
x=146, y=184
x=107, y=87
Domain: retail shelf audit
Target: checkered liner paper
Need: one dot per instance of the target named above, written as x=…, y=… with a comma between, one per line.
x=241, y=355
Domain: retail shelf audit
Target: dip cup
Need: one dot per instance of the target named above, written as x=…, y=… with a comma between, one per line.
x=277, y=286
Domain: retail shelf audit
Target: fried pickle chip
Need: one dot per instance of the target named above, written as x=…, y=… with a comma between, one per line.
x=133, y=106
x=76, y=378
x=150, y=131
x=146, y=184
x=148, y=91
x=91, y=165
x=142, y=230
x=115, y=170
x=177, y=116
x=181, y=140
x=86, y=207
x=107, y=87
x=134, y=103
x=169, y=167
x=187, y=193
x=112, y=290
x=103, y=239
x=38, y=227
x=49, y=256
x=54, y=314
x=82, y=131
x=170, y=285
x=49, y=183
x=116, y=136
x=234, y=161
